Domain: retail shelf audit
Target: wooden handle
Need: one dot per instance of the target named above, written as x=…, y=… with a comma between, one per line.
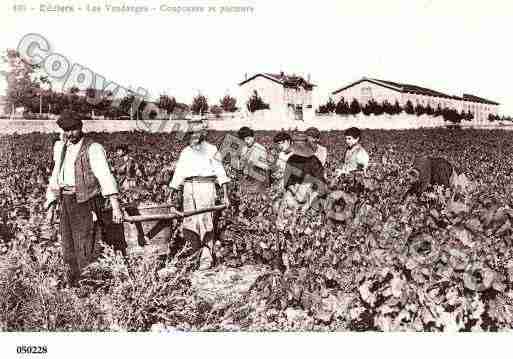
x=163, y=216
x=150, y=206
x=139, y=207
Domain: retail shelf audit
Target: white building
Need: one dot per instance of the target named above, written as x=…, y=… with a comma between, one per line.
x=368, y=88
x=3, y=106
x=287, y=95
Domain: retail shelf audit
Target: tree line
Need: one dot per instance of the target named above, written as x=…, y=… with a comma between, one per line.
x=342, y=107
x=29, y=88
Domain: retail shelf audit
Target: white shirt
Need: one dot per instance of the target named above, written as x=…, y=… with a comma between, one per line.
x=355, y=157
x=199, y=162
x=66, y=176
x=322, y=154
x=281, y=162
x=254, y=156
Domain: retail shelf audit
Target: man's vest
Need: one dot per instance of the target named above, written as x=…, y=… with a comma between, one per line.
x=86, y=184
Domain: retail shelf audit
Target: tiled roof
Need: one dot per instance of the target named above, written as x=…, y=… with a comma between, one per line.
x=414, y=89
x=468, y=97
x=283, y=79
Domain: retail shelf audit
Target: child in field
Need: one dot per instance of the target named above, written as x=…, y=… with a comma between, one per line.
x=253, y=165
x=283, y=142
x=126, y=169
x=356, y=161
x=314, y=137
x=356, y=157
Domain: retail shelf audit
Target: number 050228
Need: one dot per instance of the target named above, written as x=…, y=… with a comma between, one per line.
x=31, y=349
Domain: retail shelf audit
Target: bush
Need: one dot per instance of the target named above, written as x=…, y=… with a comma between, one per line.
x=199, y=105
x=255, y=103
x=355, y=107
x=322, y=110
x=367, y=108
x=331, y=106
x=373, y=107
x=228, y=104
x=342, y=107
x=465, y=116
x=420, y=110
x=438, y=111
x=451, y=115
x=328, y=107
x=408, y=108
x=388, y=108
x=397, y=109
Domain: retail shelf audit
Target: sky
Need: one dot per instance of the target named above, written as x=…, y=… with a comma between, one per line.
x=451, y=46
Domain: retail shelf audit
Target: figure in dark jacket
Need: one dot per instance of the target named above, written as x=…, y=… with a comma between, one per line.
x=304, y=174
x=427, y=172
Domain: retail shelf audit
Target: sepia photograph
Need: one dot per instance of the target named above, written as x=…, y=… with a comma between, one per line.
x=247, y=172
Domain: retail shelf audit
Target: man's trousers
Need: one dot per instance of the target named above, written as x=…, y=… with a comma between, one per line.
x=80, y=236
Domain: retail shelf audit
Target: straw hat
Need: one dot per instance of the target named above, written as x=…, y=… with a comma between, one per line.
x=301, y=147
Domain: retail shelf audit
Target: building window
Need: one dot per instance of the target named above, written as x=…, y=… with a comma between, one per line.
x=366, y=93
x=289, y=95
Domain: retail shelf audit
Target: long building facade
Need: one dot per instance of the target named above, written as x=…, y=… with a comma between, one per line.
x=366, y=89
x=3, y=106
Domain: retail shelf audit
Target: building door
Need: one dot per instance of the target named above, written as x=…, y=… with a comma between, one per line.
x=299, y=113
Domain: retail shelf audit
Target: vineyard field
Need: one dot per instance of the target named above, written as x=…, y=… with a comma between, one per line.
x=440, y=262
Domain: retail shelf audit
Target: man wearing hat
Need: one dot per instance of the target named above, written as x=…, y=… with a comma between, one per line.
x=313, y=136
x=253, y=165
x=197, y=171
x=81, y=179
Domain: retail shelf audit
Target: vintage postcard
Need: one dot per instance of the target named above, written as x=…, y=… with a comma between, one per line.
x=210, y=176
